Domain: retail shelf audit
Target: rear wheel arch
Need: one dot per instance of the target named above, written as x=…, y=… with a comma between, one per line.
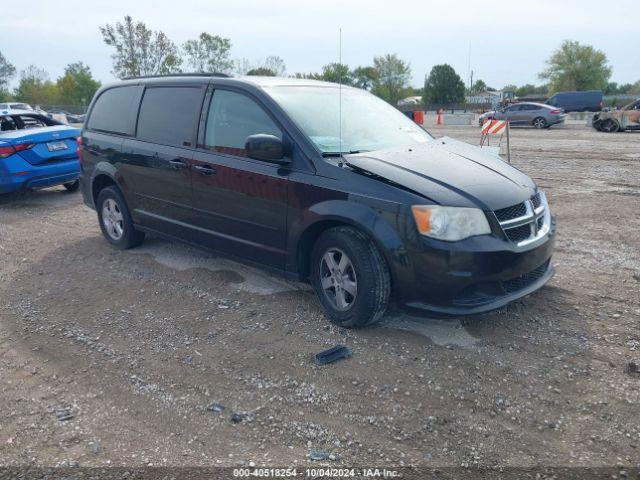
x=100, y=182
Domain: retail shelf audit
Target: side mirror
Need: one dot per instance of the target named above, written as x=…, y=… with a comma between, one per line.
x=265, y=147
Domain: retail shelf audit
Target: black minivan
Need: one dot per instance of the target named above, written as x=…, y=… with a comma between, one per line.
x=319, y=183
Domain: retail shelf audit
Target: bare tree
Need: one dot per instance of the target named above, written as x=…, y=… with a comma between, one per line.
x=276, y=65
x=139, y=50
x=209, y=53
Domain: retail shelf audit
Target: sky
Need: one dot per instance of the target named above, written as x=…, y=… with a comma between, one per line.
x=509, y=41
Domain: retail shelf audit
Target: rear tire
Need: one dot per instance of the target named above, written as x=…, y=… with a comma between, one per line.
x=115, y=220
x=539, y=122
x=72, y=186
x=350, y=277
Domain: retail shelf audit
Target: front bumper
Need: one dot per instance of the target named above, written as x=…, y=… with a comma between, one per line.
x=476, y=275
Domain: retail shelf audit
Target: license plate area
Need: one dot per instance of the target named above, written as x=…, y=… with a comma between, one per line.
x=56, y=146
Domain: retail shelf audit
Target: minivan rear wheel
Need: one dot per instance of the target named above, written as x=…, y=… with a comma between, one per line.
x=115, y=219
x=350, y=277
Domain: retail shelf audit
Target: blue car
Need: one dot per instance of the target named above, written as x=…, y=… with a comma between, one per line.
x=36, y=152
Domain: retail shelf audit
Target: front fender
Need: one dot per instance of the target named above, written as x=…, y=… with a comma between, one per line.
x=381, y=220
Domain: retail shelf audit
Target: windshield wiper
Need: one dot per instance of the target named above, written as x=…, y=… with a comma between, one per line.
x=338, y=154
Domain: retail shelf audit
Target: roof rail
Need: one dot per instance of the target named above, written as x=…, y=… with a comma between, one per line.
x=211, y=74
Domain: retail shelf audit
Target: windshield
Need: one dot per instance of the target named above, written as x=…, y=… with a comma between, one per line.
x=368, y=123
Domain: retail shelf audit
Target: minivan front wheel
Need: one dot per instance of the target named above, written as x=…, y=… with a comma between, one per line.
x=350, y=277
x=115, y=219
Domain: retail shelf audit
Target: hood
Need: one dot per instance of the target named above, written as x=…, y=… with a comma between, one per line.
x=449, y=172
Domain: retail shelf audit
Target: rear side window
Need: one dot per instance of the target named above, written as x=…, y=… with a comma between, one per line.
x=113, y=110
x=232, y=118
x=168, y=115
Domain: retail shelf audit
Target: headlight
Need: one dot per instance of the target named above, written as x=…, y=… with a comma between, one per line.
x=450, y=223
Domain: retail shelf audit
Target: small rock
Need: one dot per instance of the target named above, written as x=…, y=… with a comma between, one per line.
x=551, y=424
x=96, y=448
x=237, y=417
x=319, y=455
x=632, y=368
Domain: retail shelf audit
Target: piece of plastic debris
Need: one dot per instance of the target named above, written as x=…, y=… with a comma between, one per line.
x=64, y=414
x=333, y=355
x=216, y=407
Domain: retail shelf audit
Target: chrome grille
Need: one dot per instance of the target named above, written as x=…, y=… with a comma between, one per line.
x=525, y=222
x=511, y=212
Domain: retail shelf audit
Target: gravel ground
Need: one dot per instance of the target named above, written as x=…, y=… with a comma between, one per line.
x=119, y=358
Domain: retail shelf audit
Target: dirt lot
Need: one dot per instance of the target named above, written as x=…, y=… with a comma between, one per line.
x=116, y=358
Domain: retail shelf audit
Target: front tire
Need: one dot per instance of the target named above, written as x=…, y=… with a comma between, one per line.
x=350, y=277
x=610, y=125
x=115, y=220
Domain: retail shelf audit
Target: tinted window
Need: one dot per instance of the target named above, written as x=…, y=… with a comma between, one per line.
x=112, y=111
x=530, y=107
x=168, y=115
x=232, y=118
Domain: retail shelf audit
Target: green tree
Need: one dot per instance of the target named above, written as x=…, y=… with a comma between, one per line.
x=7, y=72
x=77, y=85
x=139, y=50
x=208, y=53
x=479, y=86
x=261, y=72
x=392, y=80
x=530, y=89
x=574, y=66
x=443, y=86
x=36, y=88
x=364, y=77
x=635, y=88
x=337, y=73
x=510, y=88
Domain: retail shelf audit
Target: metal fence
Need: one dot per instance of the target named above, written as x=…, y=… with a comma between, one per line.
x=449, y=108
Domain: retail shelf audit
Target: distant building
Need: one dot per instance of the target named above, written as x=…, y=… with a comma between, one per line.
x=493, y=98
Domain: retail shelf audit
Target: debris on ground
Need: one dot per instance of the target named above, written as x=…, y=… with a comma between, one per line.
x=237, y=417
x=632, y=368
x=318, y=455
x=216, y=407
x=332, y=355
x=64, y=414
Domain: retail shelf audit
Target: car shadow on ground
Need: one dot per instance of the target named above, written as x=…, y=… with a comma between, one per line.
x=37, y=198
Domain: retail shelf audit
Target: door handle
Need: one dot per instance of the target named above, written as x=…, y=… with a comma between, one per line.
x=204, y=169
x=178, y=163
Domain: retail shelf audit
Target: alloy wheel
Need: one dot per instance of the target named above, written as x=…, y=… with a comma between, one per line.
x=338, y=279
x=112, y=219
x=539, y=123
